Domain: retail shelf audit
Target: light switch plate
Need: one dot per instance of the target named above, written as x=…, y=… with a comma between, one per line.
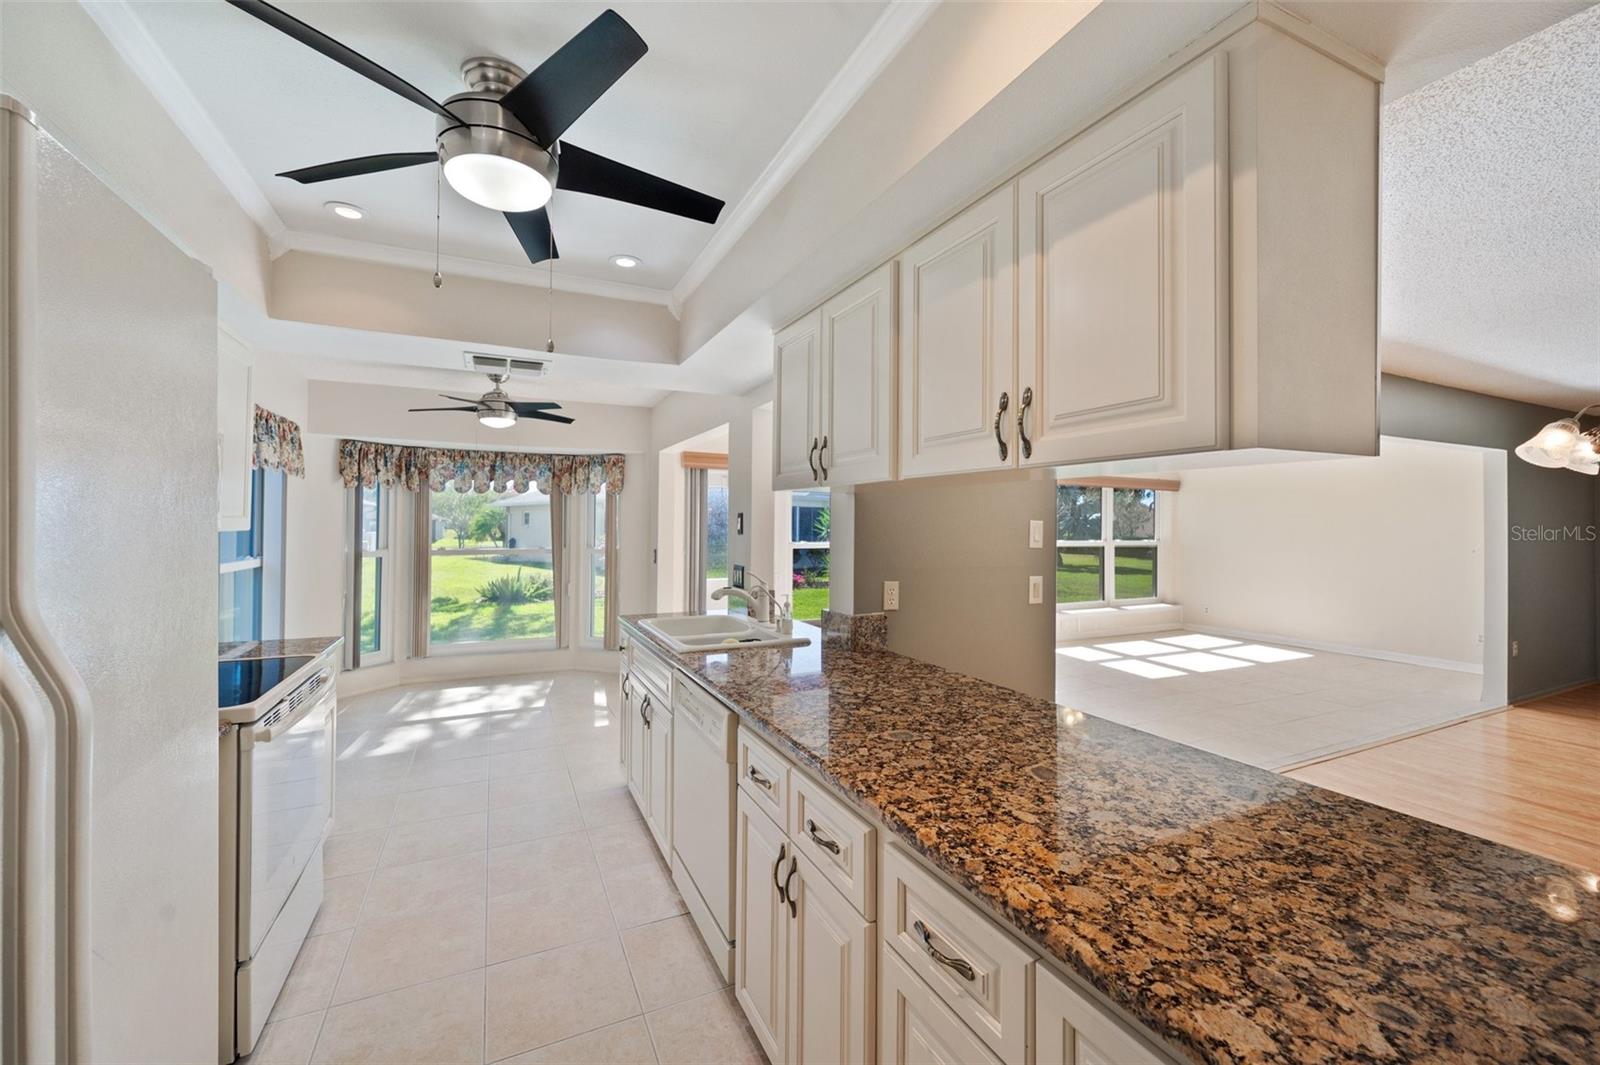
x=891, y=595
x=1035, y=534
x=1035, y=589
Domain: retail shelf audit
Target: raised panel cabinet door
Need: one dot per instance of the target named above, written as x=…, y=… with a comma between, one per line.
x=638, y=750
x=957, y=350
x=761, y=926
x=797, y=375
x=832, y=952
x=857, y=412
x=915, y=1028
x=1121, y=260
x=1070, y=1029
x=659, y=817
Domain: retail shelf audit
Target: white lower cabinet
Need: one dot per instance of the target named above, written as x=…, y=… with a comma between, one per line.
x=1069, y=1029
x=647, y=756
x=634, y=746
x=917, y=1028
x=761, y=925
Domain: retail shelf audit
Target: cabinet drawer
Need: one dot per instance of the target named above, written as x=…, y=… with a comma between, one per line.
x=841, y=845
x=764, y=775
x=654, y=672
x=984, y=975
x=1071, y=1029
x=915, y=1027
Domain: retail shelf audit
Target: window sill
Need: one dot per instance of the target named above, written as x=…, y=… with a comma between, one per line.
x=1078, y=622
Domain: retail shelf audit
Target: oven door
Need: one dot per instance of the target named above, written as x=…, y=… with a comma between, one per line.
x=286, y=801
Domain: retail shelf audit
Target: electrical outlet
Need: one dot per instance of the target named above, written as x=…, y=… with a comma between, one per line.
x=1516, y=648
x=1035, y=534
x=891, y=595
x=1035, y=589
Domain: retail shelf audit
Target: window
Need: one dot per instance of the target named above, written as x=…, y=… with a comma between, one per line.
x=370, y=570
x=250, y=566
x=809, y=524
x=485, y=585
x=594, y=541
x=1106, y=544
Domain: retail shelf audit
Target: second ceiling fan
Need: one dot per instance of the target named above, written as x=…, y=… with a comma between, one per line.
x=500, y=143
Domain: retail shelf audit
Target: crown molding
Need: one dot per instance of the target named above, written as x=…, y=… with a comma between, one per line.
x=898, y=23
x=132, y=40
x=461, y=266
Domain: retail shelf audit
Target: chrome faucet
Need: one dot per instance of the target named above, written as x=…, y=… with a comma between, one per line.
x=764, y=595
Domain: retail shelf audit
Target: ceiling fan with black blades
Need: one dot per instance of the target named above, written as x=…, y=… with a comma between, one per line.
x=496, y=410
x=500, y=143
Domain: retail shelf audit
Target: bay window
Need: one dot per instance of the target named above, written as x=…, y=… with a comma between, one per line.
x=492, y=569
x=371, y=573
x=1107, y=544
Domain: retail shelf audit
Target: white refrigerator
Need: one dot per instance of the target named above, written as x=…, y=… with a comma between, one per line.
x=108, y=621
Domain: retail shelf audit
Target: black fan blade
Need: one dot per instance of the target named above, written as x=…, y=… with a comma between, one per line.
x=419, y=410
x=312, y=37
x=458, y=399
x=564, y=86
x=366, y=164
x=533, y=230
x=583, y=171
x=544, y=416
x=528, y=410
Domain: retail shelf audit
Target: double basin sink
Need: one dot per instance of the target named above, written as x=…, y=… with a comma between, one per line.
x=718, y=632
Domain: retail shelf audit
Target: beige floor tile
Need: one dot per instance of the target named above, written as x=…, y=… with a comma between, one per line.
x=435, y=839
x=540, y=863
x=623, y=843
x=669, y=962
x=313, y=976
x=355, y=852
x=607, y=806
x=624, y=1043
x=433, y=804
x=529, y=787
x=362, y=815
x=569, y=911
x=434, y=1023
x=522, y=731
x=286, y=1042
x=341, y=903
x=439, y=773
x=642, y=893
x=523, y=762
x=596, y=772
x=412, y=948
x=435, y=884
x=560, y=993
x=705, y=1029
x=552, y=816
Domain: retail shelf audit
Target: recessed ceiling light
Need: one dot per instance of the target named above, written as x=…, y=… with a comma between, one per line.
x=345, y=210
x=627, y=262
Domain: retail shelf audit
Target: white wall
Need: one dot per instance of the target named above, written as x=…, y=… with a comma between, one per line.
x=1382, y=554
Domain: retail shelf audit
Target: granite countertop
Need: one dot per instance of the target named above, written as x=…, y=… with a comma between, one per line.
x=309, y=645
x=1240, y=915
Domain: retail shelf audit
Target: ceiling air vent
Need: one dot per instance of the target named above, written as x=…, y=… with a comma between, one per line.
x=480, y=362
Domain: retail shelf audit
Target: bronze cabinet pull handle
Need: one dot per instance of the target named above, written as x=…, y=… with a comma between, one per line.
x=956, y=965
x=822, y=841
x=759, y=777
x=812, y=458
x=783, y=852
x=1005, y=449
x=626, y=691
x=820, y=451
x=794, y=867
x=1022, y=429
x=644, y=711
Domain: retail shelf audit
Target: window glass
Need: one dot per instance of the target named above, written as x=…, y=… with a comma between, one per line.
x=717, y=527
x=1080, y=574
x=1136, y=572
x=371, y=597
x=810, y=522
x=487, y=584
x=239, y=573
x=1077, y=512
x=1133, y=513
x=1106, y=544
x=370, y=518
x=597, y=564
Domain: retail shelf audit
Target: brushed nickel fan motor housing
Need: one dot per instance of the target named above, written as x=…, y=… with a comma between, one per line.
x=488, y=129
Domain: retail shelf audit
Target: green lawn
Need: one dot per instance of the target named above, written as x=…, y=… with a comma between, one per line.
x=369, y=604
x=1078, y=575
x=809, y=603
x=457, y=614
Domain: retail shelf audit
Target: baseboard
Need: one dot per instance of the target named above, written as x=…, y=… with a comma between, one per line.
x=1338, y=648
x=484, y=667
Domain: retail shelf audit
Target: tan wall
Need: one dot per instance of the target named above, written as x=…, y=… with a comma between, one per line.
x=959, y=548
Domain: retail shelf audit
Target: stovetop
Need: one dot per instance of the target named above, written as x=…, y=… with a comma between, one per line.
x=244, y=680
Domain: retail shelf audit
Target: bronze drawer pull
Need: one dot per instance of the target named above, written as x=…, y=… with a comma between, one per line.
x=822, y=841
x=956, y=965
x=760, y=778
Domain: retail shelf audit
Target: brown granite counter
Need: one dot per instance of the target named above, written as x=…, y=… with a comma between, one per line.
x=1240, y=915
x=309, y=645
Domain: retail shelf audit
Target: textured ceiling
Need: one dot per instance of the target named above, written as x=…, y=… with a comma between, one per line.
x=1491, y=222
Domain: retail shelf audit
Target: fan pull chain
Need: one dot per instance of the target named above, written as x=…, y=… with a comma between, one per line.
x=438, y=195
x=550, y=294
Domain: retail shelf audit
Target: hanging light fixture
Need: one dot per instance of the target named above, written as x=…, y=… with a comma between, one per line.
x=1564, y=444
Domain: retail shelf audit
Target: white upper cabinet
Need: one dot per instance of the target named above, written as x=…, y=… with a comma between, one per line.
x=797, y=375
x=958, y=360
x=1120, y=351
x=857, y=385
x=235, y=429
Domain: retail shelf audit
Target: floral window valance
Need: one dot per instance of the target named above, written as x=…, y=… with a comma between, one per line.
x=277, y=444
x=400, y=465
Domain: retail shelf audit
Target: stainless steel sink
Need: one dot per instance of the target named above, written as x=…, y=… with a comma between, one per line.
x=718, y=632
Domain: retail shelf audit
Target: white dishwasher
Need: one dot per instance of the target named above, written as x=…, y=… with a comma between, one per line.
x=703, y=783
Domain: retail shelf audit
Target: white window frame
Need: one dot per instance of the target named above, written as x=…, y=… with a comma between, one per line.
x=584, y=572
x=268, y=517
x=355, y=552
x=1108, y=545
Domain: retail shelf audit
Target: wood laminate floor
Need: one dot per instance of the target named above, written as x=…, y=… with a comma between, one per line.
x=1527, y=776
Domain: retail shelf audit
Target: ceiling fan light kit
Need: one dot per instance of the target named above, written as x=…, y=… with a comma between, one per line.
x=1564, y=445
x=496, y=410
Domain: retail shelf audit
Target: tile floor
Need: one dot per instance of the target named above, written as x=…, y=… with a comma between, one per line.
x=1272, y=705
x=493, y=896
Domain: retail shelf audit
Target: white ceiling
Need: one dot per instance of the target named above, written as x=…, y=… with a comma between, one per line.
x=1491, y=222
x=721, y=89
